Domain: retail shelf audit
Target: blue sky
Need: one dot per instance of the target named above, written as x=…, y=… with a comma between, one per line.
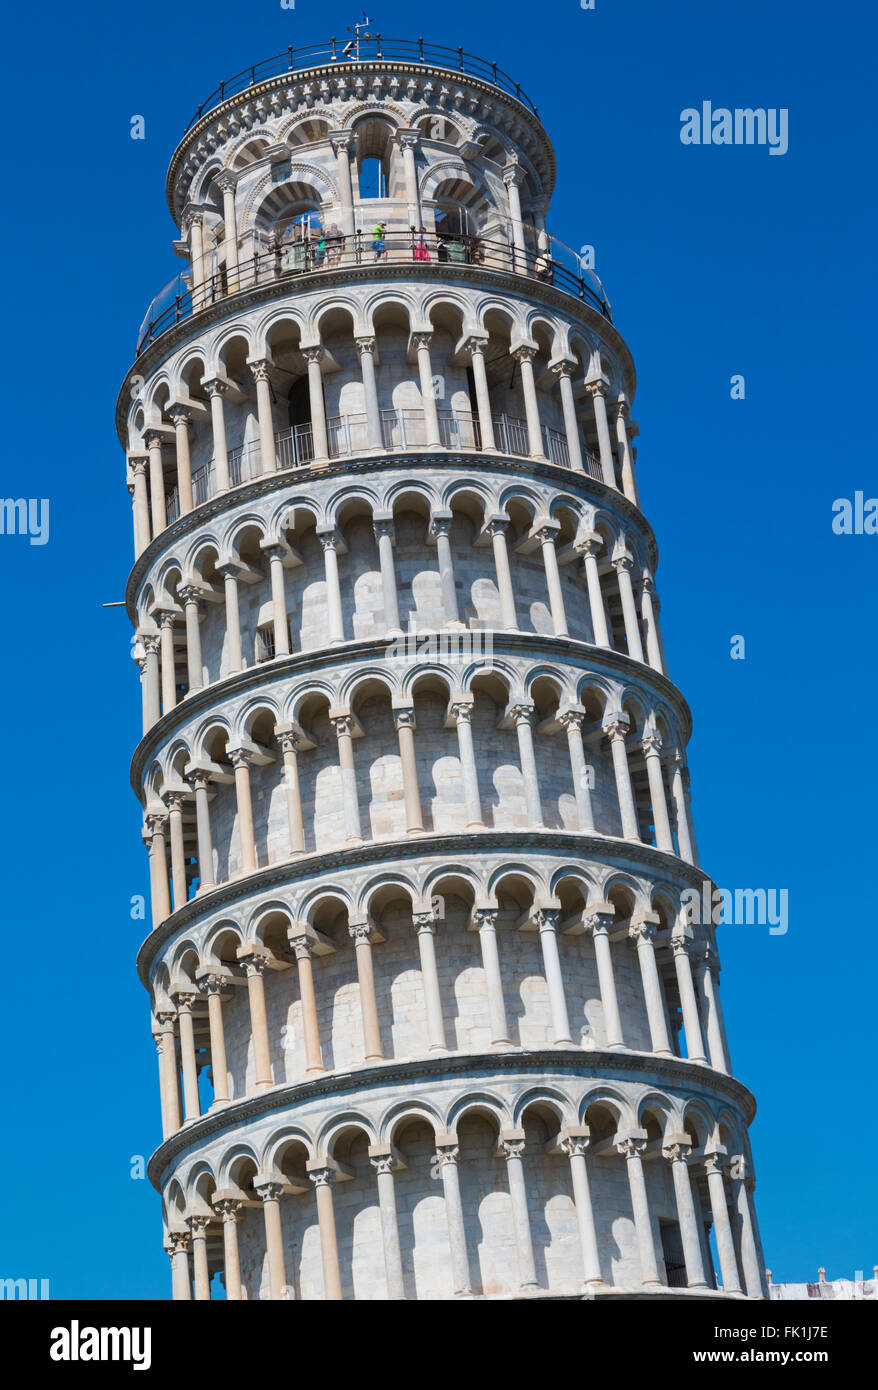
x=718, y=261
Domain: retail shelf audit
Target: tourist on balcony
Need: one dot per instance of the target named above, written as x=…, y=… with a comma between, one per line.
x=421, y=252
x=379, y=246
x=543, y=268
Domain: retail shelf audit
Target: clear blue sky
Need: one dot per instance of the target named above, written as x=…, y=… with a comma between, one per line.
x=718, y=261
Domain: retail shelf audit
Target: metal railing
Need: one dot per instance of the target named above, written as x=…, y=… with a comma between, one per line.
x=403, y=428
x=286, y=261
x=363, y=50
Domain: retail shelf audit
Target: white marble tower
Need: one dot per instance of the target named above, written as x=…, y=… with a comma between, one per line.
x=431, y=1022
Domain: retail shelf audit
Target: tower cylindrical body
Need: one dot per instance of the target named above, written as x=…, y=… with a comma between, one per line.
x=436, y=1014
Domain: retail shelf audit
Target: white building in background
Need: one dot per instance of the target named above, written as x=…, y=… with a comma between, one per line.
x=849, y=1290
x=429, y=1018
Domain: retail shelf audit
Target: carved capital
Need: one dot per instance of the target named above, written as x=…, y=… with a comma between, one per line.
x=522, y=713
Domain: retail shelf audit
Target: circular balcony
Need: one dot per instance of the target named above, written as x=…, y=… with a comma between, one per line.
x=364, y=48
x=284, y=263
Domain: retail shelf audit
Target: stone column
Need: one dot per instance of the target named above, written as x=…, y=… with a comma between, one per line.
x=629, y=486
x=547, y=923
x=140, y=662
x=199, y=781
x=714, y=1160
x=589, y=548
x=181, y=419
x=383, y=531
x=323, y=1176
x=174, y=803
x=198, y=1226
x=261, y=373
x=384, y=1162
x=631, y=1148
x=168, y=1075
x=512, y=1148
x=195, y=227
x=404, y=719
x=194, y=662
x=341, y=142
x=271, y=1192
x=158, y=869
x=169, y=671
x=361, y=935
x=572, y=721
x=546, y=534
x=486, y=921
x=688, y=1002
x=425, y=927
x=142, y=529
x=523, y=715
x=255, y=965
x=596, y=389
x=229, y=573
x=290, y=742
x=574, y=1143
x=461, y=712
x=650, y=622
x=213, y=986
x=524, y=356
x=314, y=357
x=643, y=935
x=240, y=760
x=408, y=143
x=512, y=177
x=229, y=1211
x=752, y=1268
x=622, y=566
x=496, y=526
x=688, y=849
x=440, y=530
x=343, y=724
x=447, y=1154
x=476, y=348
x=280, y=623
x=330, y=540
x=188, y=1065
x=564, y=371
x=310, y=1025
x=708, y=989
x=599, y=924
x=652, y=752
x=616, y=731
x=367, y=348
x=421, y=343
x=156, y=482
x=226, y=182
x=152, y=699
x=181, y=1287
x=217, y=390
x=676, y=1149
x=158, y=1038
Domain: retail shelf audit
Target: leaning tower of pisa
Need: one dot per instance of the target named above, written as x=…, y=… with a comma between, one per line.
x=432, y=1018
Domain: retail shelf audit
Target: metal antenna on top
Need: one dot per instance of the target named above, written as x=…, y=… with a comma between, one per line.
x=355, y=42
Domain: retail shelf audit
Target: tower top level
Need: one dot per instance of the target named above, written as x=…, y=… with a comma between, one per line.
x=333, y=90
